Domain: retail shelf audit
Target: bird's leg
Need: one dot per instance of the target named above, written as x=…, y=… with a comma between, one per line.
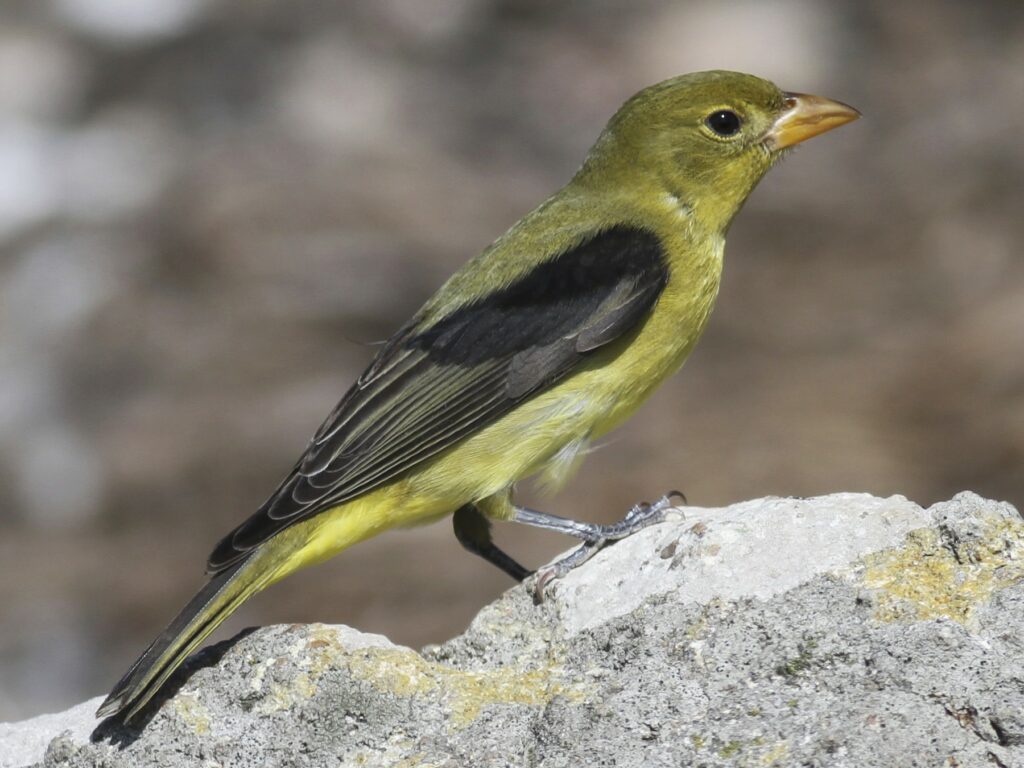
x=638, y=518
x=594, y=536
x=473, y=530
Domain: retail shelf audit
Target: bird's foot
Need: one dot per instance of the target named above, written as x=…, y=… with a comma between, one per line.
x=640, y=516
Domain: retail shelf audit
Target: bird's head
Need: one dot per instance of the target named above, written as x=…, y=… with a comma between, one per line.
x=706, y=139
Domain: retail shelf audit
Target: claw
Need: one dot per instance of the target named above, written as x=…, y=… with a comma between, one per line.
x=675, y=495
x=544, y=575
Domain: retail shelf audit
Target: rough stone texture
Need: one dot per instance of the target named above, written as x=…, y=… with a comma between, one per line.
x=840, y=631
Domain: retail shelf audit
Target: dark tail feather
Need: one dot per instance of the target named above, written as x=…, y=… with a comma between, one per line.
x=203, y=614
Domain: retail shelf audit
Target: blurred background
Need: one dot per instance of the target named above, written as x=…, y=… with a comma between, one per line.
x=209, y=209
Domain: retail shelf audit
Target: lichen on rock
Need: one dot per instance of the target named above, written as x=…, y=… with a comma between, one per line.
x=935, y=573
x=843, y=631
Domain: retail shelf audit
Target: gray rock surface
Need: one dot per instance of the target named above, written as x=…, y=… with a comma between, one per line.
x=845, y=630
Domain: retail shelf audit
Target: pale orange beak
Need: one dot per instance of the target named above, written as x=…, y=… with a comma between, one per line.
x=805, y=117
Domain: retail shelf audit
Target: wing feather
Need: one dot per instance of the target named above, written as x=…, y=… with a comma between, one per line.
x=434, y=384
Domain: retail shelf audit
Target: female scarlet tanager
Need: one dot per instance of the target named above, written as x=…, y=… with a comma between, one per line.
x=548, y=339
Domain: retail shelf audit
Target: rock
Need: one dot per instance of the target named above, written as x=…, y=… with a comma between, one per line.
x=845, y=630
x=25, y=742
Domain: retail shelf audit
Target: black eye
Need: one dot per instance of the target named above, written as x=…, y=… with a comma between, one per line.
x=724, y=122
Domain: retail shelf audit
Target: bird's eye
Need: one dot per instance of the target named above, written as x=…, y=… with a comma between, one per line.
x=724, y=122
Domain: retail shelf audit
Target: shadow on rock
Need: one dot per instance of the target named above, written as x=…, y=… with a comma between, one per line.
x=121, y=734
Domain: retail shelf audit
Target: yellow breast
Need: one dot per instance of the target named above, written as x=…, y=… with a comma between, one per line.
x=609, y=388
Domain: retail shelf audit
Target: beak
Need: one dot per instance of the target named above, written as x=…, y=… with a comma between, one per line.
x=805, y=117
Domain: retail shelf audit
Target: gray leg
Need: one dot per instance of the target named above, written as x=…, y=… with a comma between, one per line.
x=473, y=530
x=594, y=536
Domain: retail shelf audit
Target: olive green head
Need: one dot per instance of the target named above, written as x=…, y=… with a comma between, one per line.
x=707, y=138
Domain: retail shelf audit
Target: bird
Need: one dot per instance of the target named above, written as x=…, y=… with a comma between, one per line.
x=548, y=339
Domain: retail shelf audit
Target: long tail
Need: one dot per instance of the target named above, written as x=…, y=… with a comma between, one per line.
x=203, y=614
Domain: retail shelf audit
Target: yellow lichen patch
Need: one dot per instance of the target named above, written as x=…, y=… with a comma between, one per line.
x=324, y=649
x=192, y=712
x=775, y=755
x=284, y=696
x=924, y=580
x=318, y=653
x=750, y=753
x=398, y=670
x=466, y=693
x=731, y=749
x=404, y=672
x=392, y=756
x=697, y=629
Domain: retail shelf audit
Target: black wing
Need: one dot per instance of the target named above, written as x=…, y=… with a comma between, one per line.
x=431, y=387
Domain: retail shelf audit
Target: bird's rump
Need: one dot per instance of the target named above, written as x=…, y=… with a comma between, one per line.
x=434, y=384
